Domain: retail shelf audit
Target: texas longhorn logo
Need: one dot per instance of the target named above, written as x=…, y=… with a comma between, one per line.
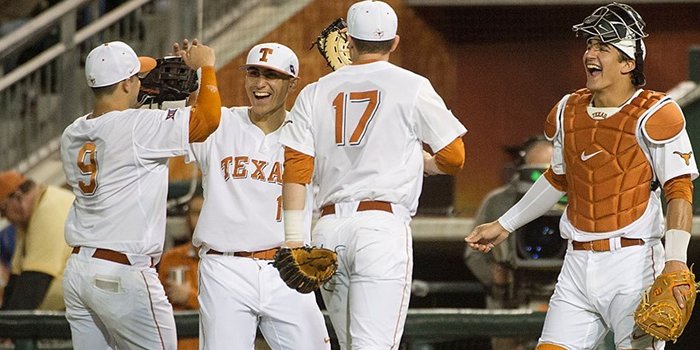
x=685, y=156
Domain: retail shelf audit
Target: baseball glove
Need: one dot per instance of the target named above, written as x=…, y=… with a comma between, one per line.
x=170, y=80
x=658, y=313
x=333, y=44
x=305, y=268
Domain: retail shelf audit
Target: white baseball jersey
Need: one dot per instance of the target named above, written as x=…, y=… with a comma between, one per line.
x=242, y=180
x=364, y=125
x=117, y=165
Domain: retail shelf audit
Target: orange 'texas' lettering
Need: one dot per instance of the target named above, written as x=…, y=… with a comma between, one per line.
x=89, y=152
x=685, y=156
x=275, y=174
x=259, y=166
x=265, y=51
x=236, y=168
x=225, y=164
x=239, y=170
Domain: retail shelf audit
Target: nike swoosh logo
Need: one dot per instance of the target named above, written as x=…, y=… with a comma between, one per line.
x=635, y=336
x=585, y=157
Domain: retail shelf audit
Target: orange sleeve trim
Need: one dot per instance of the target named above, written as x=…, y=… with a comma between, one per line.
x=206, y=112
x=557, y=181
x=679, y=187
x=450, y=159
x=665, y=123
x=298, y=167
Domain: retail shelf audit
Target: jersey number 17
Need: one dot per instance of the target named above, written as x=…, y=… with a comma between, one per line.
x=372, y=98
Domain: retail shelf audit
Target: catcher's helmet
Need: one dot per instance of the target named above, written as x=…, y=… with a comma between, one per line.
x=621, y=26
x=613, y=22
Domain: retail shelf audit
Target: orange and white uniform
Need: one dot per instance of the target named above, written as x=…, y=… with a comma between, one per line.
x=364, y=127
x=242, y=213
x=117, y=167
x=612, y=164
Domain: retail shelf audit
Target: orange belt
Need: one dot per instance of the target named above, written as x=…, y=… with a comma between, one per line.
x=364, y=206
x=109, y=255
x=603, y=245
x=268, y=254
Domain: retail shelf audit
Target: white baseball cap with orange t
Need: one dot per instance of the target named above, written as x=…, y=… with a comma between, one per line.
x=113, y=62
x=273, y=56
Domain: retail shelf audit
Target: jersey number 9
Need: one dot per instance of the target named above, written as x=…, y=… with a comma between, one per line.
x=87, y=163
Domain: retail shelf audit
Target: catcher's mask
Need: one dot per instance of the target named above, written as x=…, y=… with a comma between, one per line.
x=170, y=80
x=621, y=26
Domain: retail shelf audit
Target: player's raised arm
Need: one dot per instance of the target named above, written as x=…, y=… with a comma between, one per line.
x=206, y=112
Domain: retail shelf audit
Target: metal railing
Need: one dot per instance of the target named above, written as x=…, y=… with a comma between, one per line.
x=423, y=326
x=40, y=97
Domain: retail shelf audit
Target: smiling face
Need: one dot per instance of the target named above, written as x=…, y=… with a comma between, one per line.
x=606, y=67
x=267, y=89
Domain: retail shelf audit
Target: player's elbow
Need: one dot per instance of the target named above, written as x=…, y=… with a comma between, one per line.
x=450, y=167
x=450, y=160
x=203, y=123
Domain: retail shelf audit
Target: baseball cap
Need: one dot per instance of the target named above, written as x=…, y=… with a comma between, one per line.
x=629, y=47
x=372, y=21
x=113, y=62
x=9, y=183
x=273, y=56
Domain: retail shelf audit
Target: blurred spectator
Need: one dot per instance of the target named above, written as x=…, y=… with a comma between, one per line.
x=493, y=268
x=178, y=271
x=7, y=245
x=7, y=248
x=38, y=213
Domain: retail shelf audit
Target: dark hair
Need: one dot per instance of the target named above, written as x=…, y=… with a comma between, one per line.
x=105, y=90
x=365, y=46
x=637, y=74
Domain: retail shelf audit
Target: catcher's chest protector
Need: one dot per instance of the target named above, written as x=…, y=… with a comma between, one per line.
x=607, y=172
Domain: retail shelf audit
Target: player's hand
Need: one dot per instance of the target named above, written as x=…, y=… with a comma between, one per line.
x=195, y=55
x=293, y=244
x=681, y=292
x=429, y=165
x=485, y=237
x=178, y=294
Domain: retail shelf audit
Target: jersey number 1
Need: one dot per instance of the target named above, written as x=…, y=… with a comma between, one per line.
x=339, y=104
x=87, y=163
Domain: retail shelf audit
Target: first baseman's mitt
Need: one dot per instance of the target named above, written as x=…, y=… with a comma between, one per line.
x=333, y=44
x=305, y=268
x=170, y=80
x=658, y=313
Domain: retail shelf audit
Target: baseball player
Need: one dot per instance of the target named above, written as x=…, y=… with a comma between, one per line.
x=360, y=132
x=116, y=160
x=615, y=146
x=241, y=224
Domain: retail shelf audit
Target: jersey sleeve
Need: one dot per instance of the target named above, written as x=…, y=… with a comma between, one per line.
x=297, y=132
x=438, y=127
x=161, y=134
x=552, y=133
x=199, y=153
x=673, y=159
